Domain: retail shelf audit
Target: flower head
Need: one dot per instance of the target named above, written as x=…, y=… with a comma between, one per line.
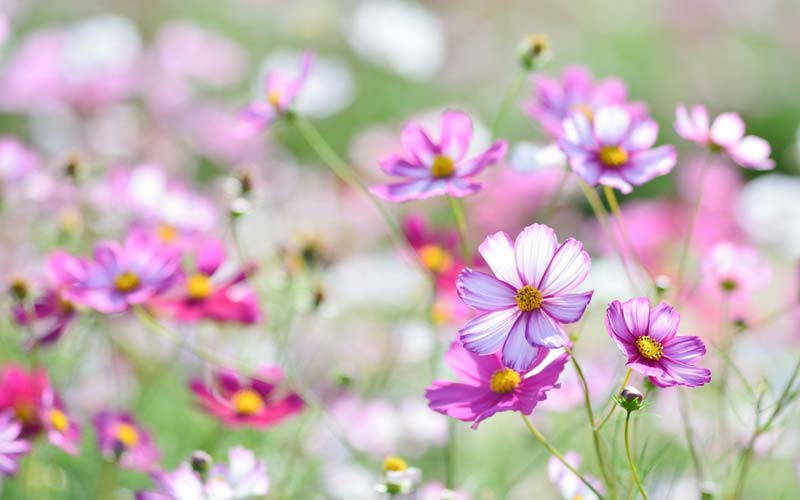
x=432, y=168
x=120, y=437
x=615, y=148
x=436, y=249
x=529, y=297
x=725, y=134
x=62, y=430
x=12, y=446
x=488, y=386
x=648, y=337
x=248, y=401
x=734, y=270
x=22, y=393
x=398, y=477
x=48, y=317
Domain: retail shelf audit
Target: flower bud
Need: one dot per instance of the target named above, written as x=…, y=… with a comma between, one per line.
x=532, y=49
x=239, y=207
x=662, y=283
x=201, y=462
x=19, y=289
x=73, y=167
x=630, y=399
x=245, y=179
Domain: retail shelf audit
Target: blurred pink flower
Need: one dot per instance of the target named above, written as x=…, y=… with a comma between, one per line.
x=121, y=438
x=437, y=168
x=62, y=430
x=48, y=317
x=725, y=134
x=568, y=484
x=529, y=297
x=648, y=337
x=12, y=446
x=489, y=386
x=615, y=149
x=435, y=490
x=22, y=392
x=16, y=161
x=734, y=270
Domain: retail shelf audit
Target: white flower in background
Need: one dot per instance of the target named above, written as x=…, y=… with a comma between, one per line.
x=328, y=89
x=99, y=45
x=244, y=476
x=530, y=157
x=765, y=205
x=398, y=477
x=399, y=35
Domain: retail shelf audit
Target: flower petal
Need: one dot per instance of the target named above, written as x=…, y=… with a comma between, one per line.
x=637, y=316
x=400, y=167
x=470, y=367
x=484, y=292
x=518, y=353
x=686, y=349
x=456, y=134
x=567, y=269
x=400, y=192
x=663, y=324
x=534, y=249
x=684, y=374
x=417, y=143
x=498, y=252
x=567, y=308
x=649, y=164
x=618, y=328
x=611, y=124
x=475, y=165
x=486, y=333
x=753, y=152
x=642, y=136
x=543, y=331
x=727, y=130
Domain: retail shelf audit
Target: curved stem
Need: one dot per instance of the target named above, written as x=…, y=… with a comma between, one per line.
x=559, y=456
x=613, y=203
x=461, y=223
x=692, y=222
x=508, y=100
x=630, y=458
x=687, y=430
x=614, y=406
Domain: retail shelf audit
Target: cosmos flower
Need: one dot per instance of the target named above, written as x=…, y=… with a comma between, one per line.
x=648, y=337
x=16, y=160
x=554, y=100
x=615, y=148
x=120, y=438
x=62, y=431
x=725, y=134
x=204, y=295
x=734, y=270
x=48, y=317
x=436, y=250
x=22, y=392
x=118, y=276
x=570, y=486
x=433, y=168
x=398, y=478
x=247, y=401
x=243, y=477
x=12, y=447
x=489, y=386
x=529, y=297
x=280, y=91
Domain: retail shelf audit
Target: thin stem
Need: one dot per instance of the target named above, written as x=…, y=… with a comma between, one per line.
x=630, y=458
x=461, y=223
x=687, y=430
x=559, y=456
x=548, y=209
x=692, y=222
x=511, y=95
x=107, y=481
x=614, y=406
x=450, y=455
x=611, y=197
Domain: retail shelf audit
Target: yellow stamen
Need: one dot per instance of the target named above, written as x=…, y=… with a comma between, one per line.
x=198, y=286
x=528, y=298
x=435, y=258
x=166, y=233
x=504, y=381
x=127, y=435
x=442, y=166
x=649, y=348
x=58, y=420
x=274, y=98
x=126, y=282
x=247, y=402
x=395, y=464
x=613, y=156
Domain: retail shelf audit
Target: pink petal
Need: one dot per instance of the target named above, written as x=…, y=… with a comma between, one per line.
x=401, y=192
x=637, y=316
x=664, y=322
x=486, y=333
x=460, y=401
x=543, y=331
x=484, y=292
x=474, y=166
x=534, y=249
x=210, y=255
x=611, y=125
x=618, y=328
x=686, y=349
x=727, y=130
x=753, y=152
x=578, y=130
x=498, y=252
x=613, y=178
x=398, y=166
x=471, y=368
x=649, y=164
x=417, y=143
x=456, y=134
x=567, y=269
x=686, y=375
x=459, y=188
x=642, y=136
x=567, y=308
x=518, y=353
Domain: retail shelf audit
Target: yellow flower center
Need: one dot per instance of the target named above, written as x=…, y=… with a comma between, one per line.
x=649, y=348
x=585, y=109
x=440, y=314
x=166, y=233
x=504, y=381
x=127, y=435
x=528, y=298
x=613, y=156
x=443, y=166
x=728, y=285
x=395, y=464
x=58, y=420
x=25, y=413
x=247, y=402
x=126, y=282
x=435, y=258
x=198, y=286
x=274, y=98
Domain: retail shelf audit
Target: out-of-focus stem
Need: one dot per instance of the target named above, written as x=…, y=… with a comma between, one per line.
x=687, y=242
x=461, y=223
x=611, y=197
x=510, y=96
x=614, y=406
x=107, y=481
x=687, y=430
x=559, y=456
x=630, y=458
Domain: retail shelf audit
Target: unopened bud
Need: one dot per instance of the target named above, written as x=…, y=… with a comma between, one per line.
x=245, y=182
x=201, y=462
x=19, y=288
x=239, y=207
x=662, y=283
x=630, y=399
x=532, y=49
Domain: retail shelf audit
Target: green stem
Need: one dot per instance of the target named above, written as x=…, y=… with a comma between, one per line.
x=511, y=95
x=614, y=406
x=450, y=455
x=107, y=481
x=687, y=241
x=630, y=458
x=559, y=456
x=687, y=430
x=461, y=223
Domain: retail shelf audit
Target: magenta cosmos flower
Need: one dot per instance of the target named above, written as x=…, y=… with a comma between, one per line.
x=12, y=447
x=529, y=297
x=48, y=317
x=725, y=134
x=615, y=148
x=488, y=386
x=119, y=437
x=554, y=100
x=118, y=276
x=22, y=392
x=648, y=337
x=280, y=91
x=257, y=402
x=432, y=168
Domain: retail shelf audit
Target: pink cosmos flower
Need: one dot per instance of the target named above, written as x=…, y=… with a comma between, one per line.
x=648, y=337
x=436, y=249
x=725, y=134
x=570, y=486
x=615, y=148
x=735, y=270
x=529, y=297
x=22, y=393
x=555, y=100
x=118, y=276
x=488, y=385
x=12, y=447
x=248, y=401
x=48, y=317
x=433, y=168
x=62, y=431
x=280, y=91
x=204, y=295
x=119, y=437
x=16, y=160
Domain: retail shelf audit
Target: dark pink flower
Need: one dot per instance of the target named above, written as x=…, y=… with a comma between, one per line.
x=121, y=438
x=433, y=168
x=648, y=337
x=436, y=249
x=487, y=386
x=257, y=402
x=48, y=317
x=22, y=392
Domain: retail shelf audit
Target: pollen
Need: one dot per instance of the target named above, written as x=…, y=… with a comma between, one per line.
x=442, y=166
x=435, y=258
x=126, y=282
x=58, y=420
x=613, y=156
x=247, y=402
x=274, y=98
x=394, y=464
x=528, y=298
x=198, y=286
x=649, y=348
x=127, y=435
x=504, y=381
x=167, y=233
